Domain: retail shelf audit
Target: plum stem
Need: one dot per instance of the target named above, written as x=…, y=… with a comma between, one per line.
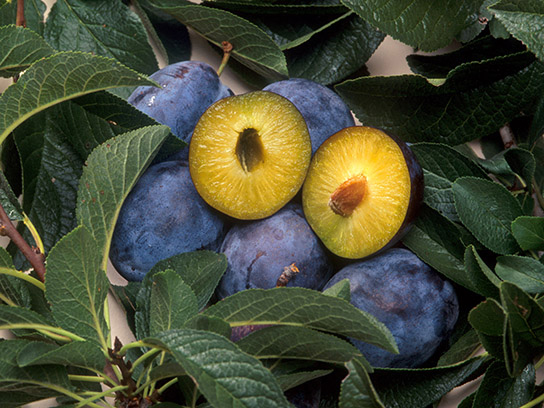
x=345, y=199
x=227, y=49
x=34, y=255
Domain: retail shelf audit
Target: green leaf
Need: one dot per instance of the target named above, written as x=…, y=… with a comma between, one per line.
x=522, y=19
x=78, y=353
x=423, y=25
x=461, y=350
x=225, y=375
x=34, y=14
x=9, y=201
x=499, y=390
x=336, y=52
x=61, y=77
x=304, y=308
x=401, y=388
x=529, y=232
x=288, y=342
x=201, y=270
x=115, y=32
x=13, y=291
x=357, y=390
x=211, y=324
x=38, y=381
x=487, y=209
x=484, y=281
x=76, y=286
x=340, y=290
x=527, y=273
x=251, y=46
x=112, y=170
x=290, y=381
x=475, y=99
x=437, y=241
x=20, y=48
x=488, y=319
x=442, y=165
x=172, y=302
x=13, y=317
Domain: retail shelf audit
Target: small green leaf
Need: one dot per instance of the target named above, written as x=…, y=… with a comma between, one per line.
x=288, y=342
x=12, y=289
x=112, y=170
x=58, y=78
x=487, y=209
x=289, y=381
x=357, y=390
x=76, y=286
x=340, y=290
x=201, y=270
x=488, y=319
x=78, y=353
x=522, y=19
x=461, y=350
x=484, y=281
x=9, y=201
x=20, y=47
x=401, y=388
x=527, y=273
x=476, y=99
x=114, y=32
x=225, y=375
x=304, y=308
x=529, y=232
x=251, y=46
x=497, y=389
x=172, y=302
x=442, y=165
x=209, y=323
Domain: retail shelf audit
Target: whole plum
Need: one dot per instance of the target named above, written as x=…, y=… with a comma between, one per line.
x=187, y=89
x=162, y=216
x=323, y=110
x=259, y=251
x=416, y=304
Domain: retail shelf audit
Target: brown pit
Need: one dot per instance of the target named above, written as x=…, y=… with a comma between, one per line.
x=345, y=199
x=249, y=149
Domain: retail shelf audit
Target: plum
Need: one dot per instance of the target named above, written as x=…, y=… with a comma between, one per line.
x=416, y=304
x=162, y=216
x=323, y=110
x=187, y=89
x=258, y=252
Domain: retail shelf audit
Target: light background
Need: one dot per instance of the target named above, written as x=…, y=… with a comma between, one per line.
x=389, y=59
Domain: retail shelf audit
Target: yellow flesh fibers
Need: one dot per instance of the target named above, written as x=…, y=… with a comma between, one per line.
x=217, y=172
x=351, y=152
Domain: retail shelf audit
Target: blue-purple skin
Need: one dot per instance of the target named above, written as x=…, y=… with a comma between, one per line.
x=323, y=110
x=187, y=89
x=416, y=304
x=162, y=216
x=258, y=251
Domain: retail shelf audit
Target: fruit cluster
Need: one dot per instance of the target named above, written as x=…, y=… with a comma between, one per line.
x=285, y=184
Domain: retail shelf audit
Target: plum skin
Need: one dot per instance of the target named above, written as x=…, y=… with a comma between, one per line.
x=161, y=217
x=416, y=304
x=258, y=251
x=187, y=89
x=323, y=110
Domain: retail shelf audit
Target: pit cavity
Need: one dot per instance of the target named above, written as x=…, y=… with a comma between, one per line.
x=249, y=149
x=348, y=195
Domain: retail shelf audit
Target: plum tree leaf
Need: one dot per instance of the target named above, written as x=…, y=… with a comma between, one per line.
x=225, y=375
x=58, y=78
x=304, y=308
x=357, y=390
x=9, y=201
x=84, y=354
x=172, y=302
x=20, y=48
x=457, y=110
x=114, y=31
x=529, y=232
x=423, y=25
x=484, y=280
x=525, y=272
x=522, y=19
x=12, y=290
x=77, y=286
x=112, y=169
x=487, y=209
x=489, y=320
x=251, y=46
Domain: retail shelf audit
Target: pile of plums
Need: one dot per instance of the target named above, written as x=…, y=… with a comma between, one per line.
x=285, y=184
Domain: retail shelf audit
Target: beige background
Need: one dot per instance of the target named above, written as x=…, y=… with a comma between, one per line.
x=389, y=59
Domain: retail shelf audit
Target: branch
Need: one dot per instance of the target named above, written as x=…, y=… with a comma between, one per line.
x=35, y=257
x=20, y=19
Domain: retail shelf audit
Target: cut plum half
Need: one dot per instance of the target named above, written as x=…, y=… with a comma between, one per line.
x=249, y=154
x=362, y=191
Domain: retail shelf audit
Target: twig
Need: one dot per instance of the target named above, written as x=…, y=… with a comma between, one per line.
x=20, y=19
x=35, y=257
x=227, y=49
x=507, y=136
